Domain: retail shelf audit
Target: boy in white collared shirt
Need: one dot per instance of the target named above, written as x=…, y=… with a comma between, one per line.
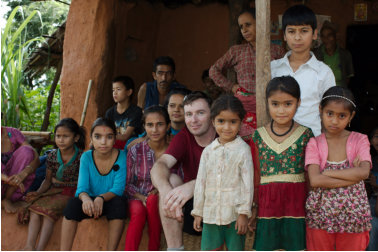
x=313, y=76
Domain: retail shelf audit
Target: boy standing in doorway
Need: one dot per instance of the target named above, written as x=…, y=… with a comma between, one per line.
x=314, y=77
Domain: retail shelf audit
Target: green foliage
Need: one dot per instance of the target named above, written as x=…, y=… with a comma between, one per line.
x=52, y=13
x=14, y=52
x=37, y=105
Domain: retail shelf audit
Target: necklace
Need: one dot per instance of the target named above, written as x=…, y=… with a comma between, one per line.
x=285, y=133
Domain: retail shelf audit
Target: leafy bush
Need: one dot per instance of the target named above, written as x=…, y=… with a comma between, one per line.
x=14, y=52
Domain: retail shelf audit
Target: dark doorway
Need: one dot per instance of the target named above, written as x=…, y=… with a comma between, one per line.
x=362, y=43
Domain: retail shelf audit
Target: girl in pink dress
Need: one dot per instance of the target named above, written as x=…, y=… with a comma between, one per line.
x=337, y=209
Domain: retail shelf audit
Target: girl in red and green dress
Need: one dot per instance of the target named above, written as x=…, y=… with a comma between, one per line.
x=280, y=147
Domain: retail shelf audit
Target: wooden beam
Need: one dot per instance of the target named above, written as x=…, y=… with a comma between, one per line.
x=262, y=59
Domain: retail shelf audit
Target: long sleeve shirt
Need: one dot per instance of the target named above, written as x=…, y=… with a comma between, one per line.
x=242, y=58
x=94, y=183
x=224, y=185
x=314, y=78
x=140, y=160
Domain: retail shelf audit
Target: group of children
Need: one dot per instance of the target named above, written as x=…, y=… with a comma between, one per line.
x=296, y=191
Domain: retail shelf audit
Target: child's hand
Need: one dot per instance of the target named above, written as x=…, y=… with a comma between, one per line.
x=197, y=223
x=241, y=224
x=252, y=220
x=98, y=203
x=88, y=207
x=356, y=161
x=234, y=88
x=31, y=196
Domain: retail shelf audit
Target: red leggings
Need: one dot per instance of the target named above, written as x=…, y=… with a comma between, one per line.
x=138, y=215
x=318, y=239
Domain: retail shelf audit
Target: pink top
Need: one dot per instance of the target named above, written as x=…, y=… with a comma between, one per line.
x=317, y=149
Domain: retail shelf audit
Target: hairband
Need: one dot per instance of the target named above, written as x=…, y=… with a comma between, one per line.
x=339, y=96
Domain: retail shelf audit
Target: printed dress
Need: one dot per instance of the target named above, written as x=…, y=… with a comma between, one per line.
x=339, y=210
x=53, y=202
x=282, y=191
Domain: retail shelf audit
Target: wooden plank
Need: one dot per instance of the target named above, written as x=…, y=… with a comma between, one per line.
x=262, y=59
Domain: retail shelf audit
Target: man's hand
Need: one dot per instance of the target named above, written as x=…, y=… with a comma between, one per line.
x=241, y=224
x=197, y=223
x=176, y=198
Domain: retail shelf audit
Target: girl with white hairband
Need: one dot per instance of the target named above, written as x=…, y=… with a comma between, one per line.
x=337, y=210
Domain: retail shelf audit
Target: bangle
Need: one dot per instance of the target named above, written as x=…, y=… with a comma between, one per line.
x=102, y=197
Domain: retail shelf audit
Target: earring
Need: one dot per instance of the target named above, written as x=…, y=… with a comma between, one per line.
x=349, y=124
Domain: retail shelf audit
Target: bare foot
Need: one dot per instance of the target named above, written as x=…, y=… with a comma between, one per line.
x=9, y=207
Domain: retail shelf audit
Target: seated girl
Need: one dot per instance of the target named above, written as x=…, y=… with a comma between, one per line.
x=18, y=163
x=102, y=180
x=62, y=170
x=143, y=198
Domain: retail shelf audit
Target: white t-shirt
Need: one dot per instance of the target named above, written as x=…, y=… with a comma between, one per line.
x=314, y=78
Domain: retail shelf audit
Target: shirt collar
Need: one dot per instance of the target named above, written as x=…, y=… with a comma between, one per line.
x=216, y=144
x=312, y=62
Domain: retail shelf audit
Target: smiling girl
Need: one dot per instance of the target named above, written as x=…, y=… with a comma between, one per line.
x=102, y=180
x=282, y=191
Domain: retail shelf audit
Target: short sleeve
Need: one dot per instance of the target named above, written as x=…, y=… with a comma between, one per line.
x=312, y=153
x=136, y=117
x=363, y=149
x=177, y=146
x=51, y=160
x=109, y=114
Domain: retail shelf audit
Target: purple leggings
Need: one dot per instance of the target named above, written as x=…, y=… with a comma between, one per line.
x=19, y=160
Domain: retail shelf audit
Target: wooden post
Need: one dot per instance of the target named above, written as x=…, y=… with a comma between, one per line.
x=262, y=58
x=86, y=103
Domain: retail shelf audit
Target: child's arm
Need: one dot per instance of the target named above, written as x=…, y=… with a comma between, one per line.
x=359, y=172
x=31, y=196
x=200, y=186
x=197, y=223
x=124, y=137
x=241, y=224
x=317, y=179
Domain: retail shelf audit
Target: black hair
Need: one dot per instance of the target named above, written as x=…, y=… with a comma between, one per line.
x=227, y=102
x=195, y=95
x=286, y=84
x=126, y=81
x=339, y=94
x=181, y=91
x=372, y=133
x=156, y=109
x=164, y=60
x=251, y=11
x=101, y=121
x=72, y=125
x=299, y=15
x=205, y=74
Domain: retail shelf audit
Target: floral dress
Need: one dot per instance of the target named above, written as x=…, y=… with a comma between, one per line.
x=282, y=191
x=339, y=210
x=53, y=202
